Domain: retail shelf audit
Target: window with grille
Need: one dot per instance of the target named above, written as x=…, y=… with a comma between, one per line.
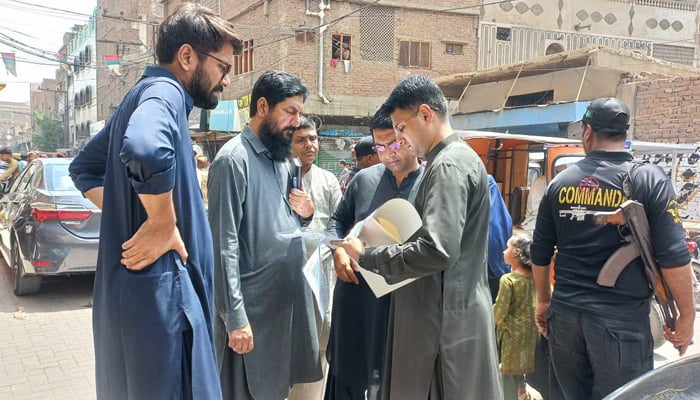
x=677, y=54
x=305, y=36
x=414, y=54
x=243, y=63
x=454, y=48
x=377, y=34
x=503, y=33
x=341, y=47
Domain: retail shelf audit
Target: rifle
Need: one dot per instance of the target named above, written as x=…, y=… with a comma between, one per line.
x=575, y=213
x=631, y=214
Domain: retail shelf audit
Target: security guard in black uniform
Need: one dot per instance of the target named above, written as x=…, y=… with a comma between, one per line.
x=599, y=337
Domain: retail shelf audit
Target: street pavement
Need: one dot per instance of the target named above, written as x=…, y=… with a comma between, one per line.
x=46, y=348
x=46, y=340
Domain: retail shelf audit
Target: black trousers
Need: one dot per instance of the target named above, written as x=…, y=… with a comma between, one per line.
x=592, y=355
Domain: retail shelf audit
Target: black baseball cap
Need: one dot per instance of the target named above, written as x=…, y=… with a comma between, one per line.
x=607, y=115
x=365, y=147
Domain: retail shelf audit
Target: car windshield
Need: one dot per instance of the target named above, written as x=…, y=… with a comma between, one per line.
x=58, y=179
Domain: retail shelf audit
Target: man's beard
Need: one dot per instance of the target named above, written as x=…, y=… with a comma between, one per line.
x=198, y=89
x=277, y=144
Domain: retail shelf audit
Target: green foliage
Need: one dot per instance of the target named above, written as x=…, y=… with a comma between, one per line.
x=50, y=135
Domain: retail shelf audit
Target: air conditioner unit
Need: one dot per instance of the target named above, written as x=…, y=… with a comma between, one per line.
x=554, y=46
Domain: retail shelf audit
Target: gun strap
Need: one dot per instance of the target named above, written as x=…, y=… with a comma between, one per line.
x=627, y=187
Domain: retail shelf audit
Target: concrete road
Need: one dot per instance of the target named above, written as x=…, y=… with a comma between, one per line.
x=46, y=347
x=46, y=340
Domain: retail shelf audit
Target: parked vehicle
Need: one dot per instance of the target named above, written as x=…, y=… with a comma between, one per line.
x=46, y=226
x=675, y=380
x=516, y=160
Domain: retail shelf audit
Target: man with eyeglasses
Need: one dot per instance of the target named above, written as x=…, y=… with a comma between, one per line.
x=359, y=320
x=153, y=295
x=441, y=339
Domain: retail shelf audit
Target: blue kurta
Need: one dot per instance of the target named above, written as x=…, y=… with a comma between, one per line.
x=152, y=328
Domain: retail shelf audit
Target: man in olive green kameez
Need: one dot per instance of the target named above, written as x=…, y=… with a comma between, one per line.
x=441, y=341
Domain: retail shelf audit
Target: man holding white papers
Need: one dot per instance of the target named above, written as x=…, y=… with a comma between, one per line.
x=441, y=341
x=359, y=321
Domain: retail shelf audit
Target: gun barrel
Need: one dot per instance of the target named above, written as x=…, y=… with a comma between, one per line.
x=636, y=220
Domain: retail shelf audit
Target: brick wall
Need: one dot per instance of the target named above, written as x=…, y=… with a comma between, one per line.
x=367, y=79
x=668, y=110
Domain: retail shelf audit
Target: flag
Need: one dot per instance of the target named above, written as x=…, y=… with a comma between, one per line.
x=10, y=63
x=112, y=62
x=62, y=59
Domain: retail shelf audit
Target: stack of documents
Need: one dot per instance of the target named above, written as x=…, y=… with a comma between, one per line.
x=392, y=223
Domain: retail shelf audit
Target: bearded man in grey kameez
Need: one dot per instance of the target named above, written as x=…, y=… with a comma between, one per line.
x=259, y=288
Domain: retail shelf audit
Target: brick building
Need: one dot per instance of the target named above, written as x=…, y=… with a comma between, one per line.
x=127, y=29
x=14, y=124
x=352, y=63
x=668, y=110
x=350, y=54
x=45, y=98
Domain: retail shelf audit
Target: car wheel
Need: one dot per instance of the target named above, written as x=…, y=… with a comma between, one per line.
x=23, y=284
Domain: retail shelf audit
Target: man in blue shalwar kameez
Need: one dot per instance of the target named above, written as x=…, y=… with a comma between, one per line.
x=153, y=291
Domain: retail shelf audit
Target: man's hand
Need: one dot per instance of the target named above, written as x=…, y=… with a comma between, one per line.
x=352, y=246
x=679, y=281
x=682, y=336
x=541, y=318
x=150, y=242
x=241, y=340
x=344, y=267
x=301, y=203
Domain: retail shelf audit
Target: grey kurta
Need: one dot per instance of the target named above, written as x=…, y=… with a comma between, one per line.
x=258, y=274
x=442, y=324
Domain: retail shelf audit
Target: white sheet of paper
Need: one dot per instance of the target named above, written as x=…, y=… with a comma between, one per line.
x=318, y=282
x=378, y=284
x=393, y=222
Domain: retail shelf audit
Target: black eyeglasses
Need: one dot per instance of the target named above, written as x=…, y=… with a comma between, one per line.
x=227, y=66
x=398, y=128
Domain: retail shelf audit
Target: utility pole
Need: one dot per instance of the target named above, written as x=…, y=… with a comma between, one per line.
x=66, y=126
